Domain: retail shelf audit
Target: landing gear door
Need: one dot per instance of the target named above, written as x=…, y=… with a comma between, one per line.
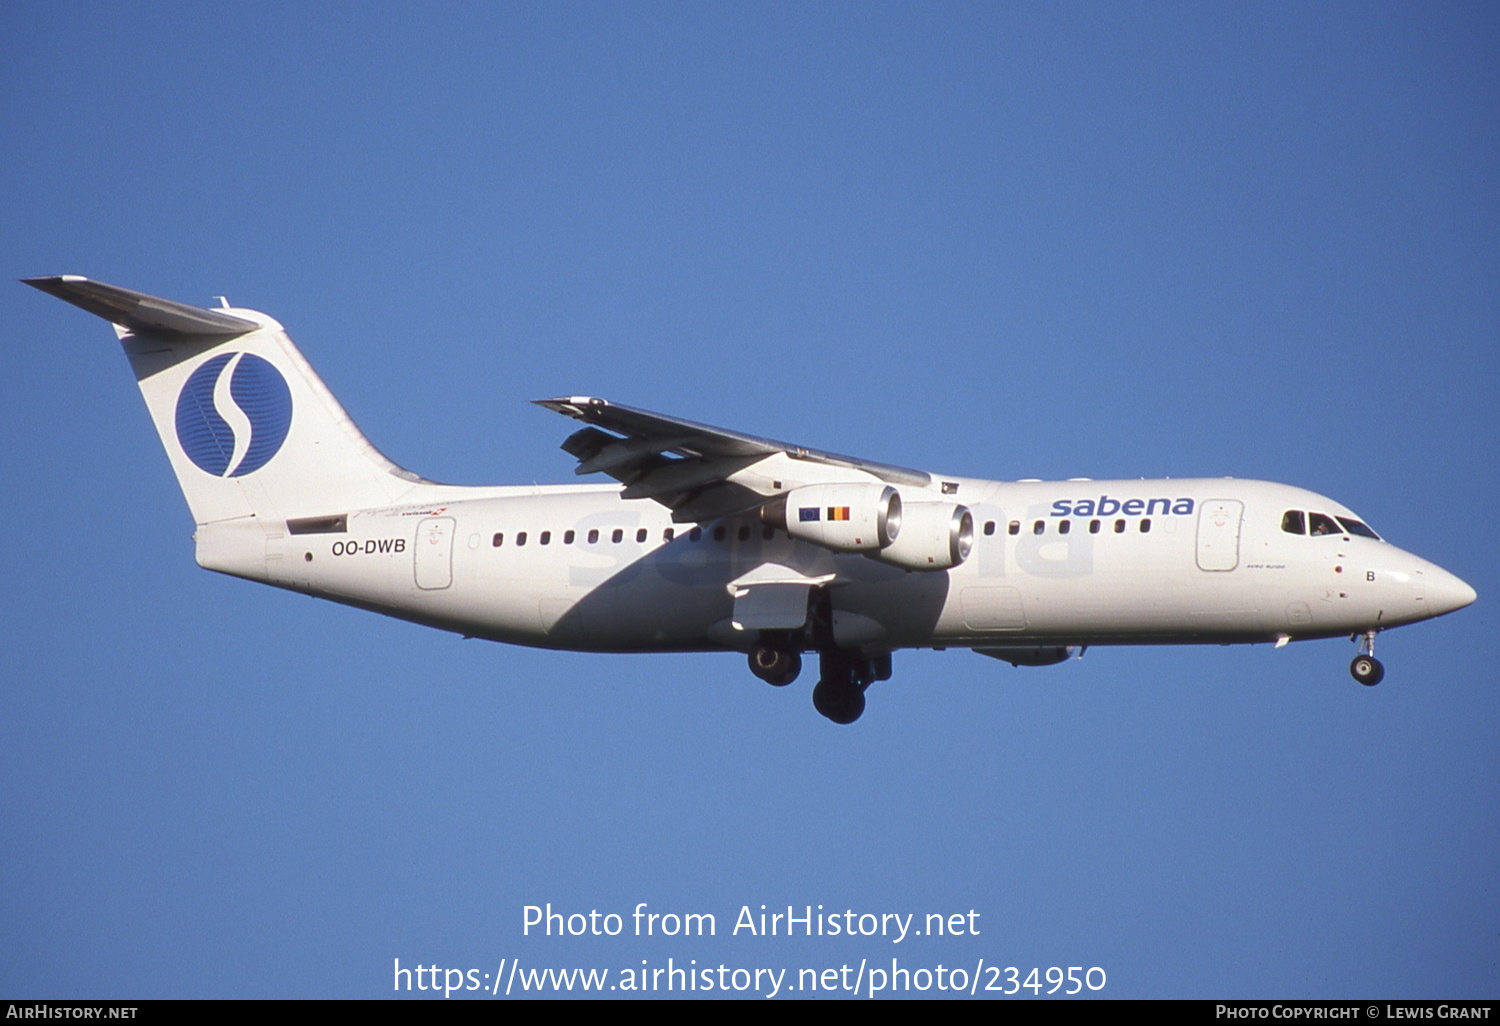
x=1219, y=534
x=772, y=597
x=771, y=607
x=434, y=553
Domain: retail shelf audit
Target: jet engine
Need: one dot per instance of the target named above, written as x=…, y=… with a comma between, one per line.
x=934, y=536
x=842, y=517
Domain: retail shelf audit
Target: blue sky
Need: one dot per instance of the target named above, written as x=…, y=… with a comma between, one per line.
x=1006, y=241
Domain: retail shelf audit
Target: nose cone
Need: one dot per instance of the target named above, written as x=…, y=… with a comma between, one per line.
x=1445, y=592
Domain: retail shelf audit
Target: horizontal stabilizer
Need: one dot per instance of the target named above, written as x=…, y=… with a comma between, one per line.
x=141, y=313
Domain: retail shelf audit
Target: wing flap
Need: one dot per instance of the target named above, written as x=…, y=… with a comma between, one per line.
x=675, y=476
x=724, y=500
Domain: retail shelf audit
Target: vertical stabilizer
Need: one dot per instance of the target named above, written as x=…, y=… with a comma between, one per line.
x=249, y=427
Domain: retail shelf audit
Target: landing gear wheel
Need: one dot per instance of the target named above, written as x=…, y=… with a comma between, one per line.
x=1367, y=670
x=841, y=704
x=775, y=665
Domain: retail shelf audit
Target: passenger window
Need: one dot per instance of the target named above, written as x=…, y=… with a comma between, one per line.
x=989, y=527
x=1064, y=527
x=640, y=535
x=568, y=537
x=695, y=534
x=546, y=538
x=668, y=534
x=1039, y=527
x=498, y=540
x=618, y=536
x=1119, y=527
x=768, y=533
x=1146, y=526
x=593, y=536
x=1015, y=527
x=1292, y=522
x=744, y=532
x=521, y=538
x=1319, y=524
x=1093, y=527
x=720, y=533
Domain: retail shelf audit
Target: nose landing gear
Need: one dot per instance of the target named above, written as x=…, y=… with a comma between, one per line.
x=1366, y=668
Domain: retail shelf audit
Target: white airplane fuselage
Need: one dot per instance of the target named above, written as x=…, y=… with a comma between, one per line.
x=719, y=540
x=630, y=589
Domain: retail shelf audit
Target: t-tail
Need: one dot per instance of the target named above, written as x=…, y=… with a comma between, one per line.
x=254, y=436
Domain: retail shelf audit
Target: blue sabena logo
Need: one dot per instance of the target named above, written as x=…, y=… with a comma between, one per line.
x=233, y=414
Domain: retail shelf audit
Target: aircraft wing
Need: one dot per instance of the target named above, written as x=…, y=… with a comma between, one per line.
x=697, y=471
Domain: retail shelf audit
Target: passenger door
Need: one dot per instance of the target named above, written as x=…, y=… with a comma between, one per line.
x=1219, y=534
x=434, y=553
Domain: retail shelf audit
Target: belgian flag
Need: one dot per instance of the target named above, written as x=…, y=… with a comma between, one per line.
x=838, y=512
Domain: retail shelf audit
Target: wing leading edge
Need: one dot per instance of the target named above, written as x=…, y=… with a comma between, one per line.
x=699, y=471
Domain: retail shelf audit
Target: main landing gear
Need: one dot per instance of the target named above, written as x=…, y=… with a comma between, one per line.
x=1366, y=668
x=775, y=661
x=840, y=693
x=843, y=674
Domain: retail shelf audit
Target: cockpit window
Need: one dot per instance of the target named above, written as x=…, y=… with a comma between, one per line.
x=1293, y=523
x=1320, y=524
x=1356, y=527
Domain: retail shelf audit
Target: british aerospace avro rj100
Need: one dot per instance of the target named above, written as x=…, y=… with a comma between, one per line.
x=716, y=540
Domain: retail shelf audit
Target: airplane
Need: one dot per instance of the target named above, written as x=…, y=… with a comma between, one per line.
x=714, y=540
